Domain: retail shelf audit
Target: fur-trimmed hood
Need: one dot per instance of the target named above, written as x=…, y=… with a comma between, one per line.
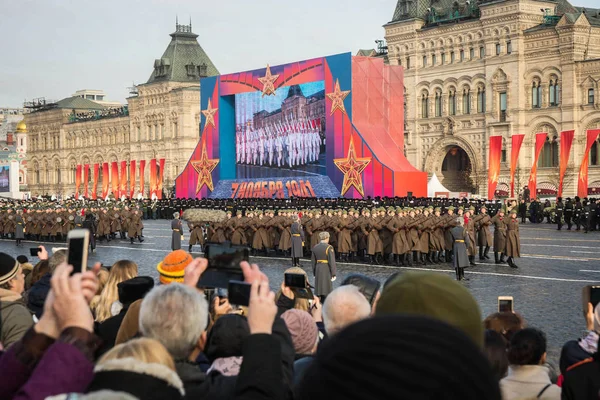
x=142, y=380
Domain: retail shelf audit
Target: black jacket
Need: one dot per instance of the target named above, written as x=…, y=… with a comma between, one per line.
x=571, y=354
x=266, y=372
x=37, y=295
x=582, y=382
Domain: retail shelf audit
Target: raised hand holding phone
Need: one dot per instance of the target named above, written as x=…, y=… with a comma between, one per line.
x=78, y=241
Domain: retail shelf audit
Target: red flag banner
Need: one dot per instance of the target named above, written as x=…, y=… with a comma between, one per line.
x=123, y=188
x=131, y=178
x=152, y=177
x=494, y=164
x=540, y=139
x=566, y=141
x=517, y=141
x=77, y=180
x=159, y=184
x=104, y=180
x=86, y=178
x=142, y=167
x=582, y=181
x=95, y=182
x=114, y=177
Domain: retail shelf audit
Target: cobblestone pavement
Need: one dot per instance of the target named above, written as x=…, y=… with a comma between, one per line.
x=546, y=288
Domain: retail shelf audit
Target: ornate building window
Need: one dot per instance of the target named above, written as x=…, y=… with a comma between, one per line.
x=498, y=49
x=452, y=57
x=508, y=47
x=433, y=60
x=481, y=99
x=554, y=90
x=503, y=106
x=407, y=62
x=425, y=105
x=482, y=52
x=438, y=104
x=595, y=154
x=424, y=61
x=590, y=96
x=466, y=101
x=452, y=102
x=462, y=55
x=549, y=154
x=443, y=58
x=471, y=53
x=536, y=95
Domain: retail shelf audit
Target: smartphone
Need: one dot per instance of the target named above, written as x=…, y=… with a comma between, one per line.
x=77, y=249
x=34, y=251
x=595, y=295
x=505, y=304
x=239, y=293
x=223, y=265
x=295, y=280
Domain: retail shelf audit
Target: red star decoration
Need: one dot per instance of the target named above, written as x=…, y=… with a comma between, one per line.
x=337, y=98
x=267, y=81
x=209, y=114
x=352, y=167
x=205, y=166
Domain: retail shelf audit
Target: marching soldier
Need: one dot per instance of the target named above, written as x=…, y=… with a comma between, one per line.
x=470, y=228
x=196, y=235
x=19, y=228
x=484, y=238
x=569, y=213
x=559, y=212
x=513, y=241
x=297, y=241
x=499, y=236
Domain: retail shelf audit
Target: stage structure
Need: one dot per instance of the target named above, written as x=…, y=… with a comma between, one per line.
x=326, y=127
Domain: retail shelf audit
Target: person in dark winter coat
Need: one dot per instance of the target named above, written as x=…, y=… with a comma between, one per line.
x=19, y=228
x=297, y=241
x=575, y=351
x=582, y=380
x=130, y=291
x=459, y=249
x=224, y=344
x=177, y=232
x=15, y=318
x=324, y=267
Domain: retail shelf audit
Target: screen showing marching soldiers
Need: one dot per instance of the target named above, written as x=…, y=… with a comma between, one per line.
x=282, y=134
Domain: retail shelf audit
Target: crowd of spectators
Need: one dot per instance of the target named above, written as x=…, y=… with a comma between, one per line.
x=108, y=333
x=110, y=112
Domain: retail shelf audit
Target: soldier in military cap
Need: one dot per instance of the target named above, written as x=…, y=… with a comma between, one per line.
x=324, y=267
x=568, y=213
x=559, y=212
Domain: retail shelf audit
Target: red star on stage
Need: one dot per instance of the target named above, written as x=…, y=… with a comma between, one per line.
x=267, y=81
x=337, y=98
x=204, y=166
x=352, y=167
x=209, y=114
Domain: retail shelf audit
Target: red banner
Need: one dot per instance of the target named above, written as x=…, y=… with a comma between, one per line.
x=114, y=178
x=494, y=164
x=123, y=188
x=95, y=182
x=131, y=178
x=142, y=167
x=152, y=177
x=582, y=181
x=566, y=141
x=86, y=178
x=104, y=180
x=161, y=173
x=77, y=180
x=517, y=141
x=540, y=139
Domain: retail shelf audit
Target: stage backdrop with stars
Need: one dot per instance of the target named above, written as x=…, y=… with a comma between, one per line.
x=362, y=134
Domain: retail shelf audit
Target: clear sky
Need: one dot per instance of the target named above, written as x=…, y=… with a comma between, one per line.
x=51, y=48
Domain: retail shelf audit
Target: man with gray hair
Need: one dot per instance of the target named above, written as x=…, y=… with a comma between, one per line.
x=324, y=268
x=344, y=306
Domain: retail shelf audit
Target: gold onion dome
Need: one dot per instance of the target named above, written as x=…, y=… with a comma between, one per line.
x=21, y=127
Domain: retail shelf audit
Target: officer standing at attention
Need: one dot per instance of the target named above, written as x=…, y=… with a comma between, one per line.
x=297, y=241
x=324, y=268
x=177, y=232
x=559, y=212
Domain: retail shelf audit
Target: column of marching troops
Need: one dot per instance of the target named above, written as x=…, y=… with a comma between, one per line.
x=377, y=235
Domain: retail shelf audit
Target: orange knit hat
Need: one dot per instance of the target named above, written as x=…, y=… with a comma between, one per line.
x=171, y=268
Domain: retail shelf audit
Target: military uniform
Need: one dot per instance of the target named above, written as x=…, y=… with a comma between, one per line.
x=324, y=268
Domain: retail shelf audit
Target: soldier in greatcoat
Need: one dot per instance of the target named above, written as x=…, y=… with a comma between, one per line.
x=324, y=268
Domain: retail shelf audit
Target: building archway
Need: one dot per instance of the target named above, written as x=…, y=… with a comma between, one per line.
x=456, y=163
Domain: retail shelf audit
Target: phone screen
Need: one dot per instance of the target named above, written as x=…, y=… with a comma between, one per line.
x=226, y=257
x=34, y=251
x=295, y=280
x=595, y=295
x=505, y=305
x=75, y=254
x=239, y=293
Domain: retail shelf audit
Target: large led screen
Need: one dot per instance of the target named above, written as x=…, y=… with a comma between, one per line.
x=282, y=134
